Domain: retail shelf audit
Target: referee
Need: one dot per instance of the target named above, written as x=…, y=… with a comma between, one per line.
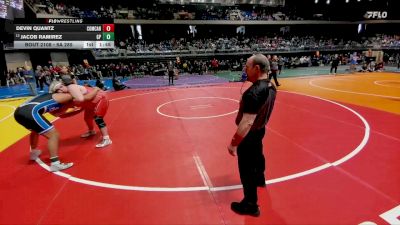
x=254, y=112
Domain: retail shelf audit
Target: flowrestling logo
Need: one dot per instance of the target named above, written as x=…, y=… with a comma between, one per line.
x=375, y=15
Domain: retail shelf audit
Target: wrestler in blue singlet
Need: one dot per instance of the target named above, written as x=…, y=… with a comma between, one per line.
x=30, y=113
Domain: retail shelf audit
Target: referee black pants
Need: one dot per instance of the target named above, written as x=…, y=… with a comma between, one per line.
x=334, y=67
x=273, y=74
x=170, y=77
x=251, y=163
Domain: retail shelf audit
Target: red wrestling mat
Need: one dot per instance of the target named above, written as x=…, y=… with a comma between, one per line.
x=327, y=163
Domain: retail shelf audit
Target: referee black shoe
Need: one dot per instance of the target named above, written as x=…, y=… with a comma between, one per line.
x=245, y=208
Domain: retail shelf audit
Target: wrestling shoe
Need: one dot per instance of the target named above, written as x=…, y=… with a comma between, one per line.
x=104, y=143
x=54, y=167
x=88, y=134
x=34, y=154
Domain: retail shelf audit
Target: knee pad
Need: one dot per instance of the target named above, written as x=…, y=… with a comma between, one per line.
x=100, y=122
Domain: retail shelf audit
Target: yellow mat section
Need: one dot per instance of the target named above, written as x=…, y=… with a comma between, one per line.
x=375, y=90
x=11, y=131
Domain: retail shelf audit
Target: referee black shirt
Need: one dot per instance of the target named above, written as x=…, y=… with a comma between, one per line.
x=258, y=99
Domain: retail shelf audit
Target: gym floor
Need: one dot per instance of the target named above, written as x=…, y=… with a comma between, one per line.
x=332, y=156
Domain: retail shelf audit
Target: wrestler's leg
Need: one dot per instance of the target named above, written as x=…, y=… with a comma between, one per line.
x=34, y=140
x=100, y=111
x=88, y=116
x=104, y=131
x=53, y=137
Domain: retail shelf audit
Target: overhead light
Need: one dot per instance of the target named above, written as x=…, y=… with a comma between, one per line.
x=316, y=1
x=347, y=1
x=328, y=2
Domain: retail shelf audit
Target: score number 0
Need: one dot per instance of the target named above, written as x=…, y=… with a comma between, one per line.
x=108, y=27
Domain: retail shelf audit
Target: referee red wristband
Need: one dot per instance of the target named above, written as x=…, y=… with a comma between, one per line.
x=236, y=139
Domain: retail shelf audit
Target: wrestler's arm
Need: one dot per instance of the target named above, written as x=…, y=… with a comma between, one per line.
x=73, y=112
x=66, y=112
x=64, y=99
x=69, y=111
x=91, y=95
x=76, y=92
x=70, y=107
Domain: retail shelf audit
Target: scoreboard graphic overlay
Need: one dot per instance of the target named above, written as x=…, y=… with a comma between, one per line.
x=63, y=34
